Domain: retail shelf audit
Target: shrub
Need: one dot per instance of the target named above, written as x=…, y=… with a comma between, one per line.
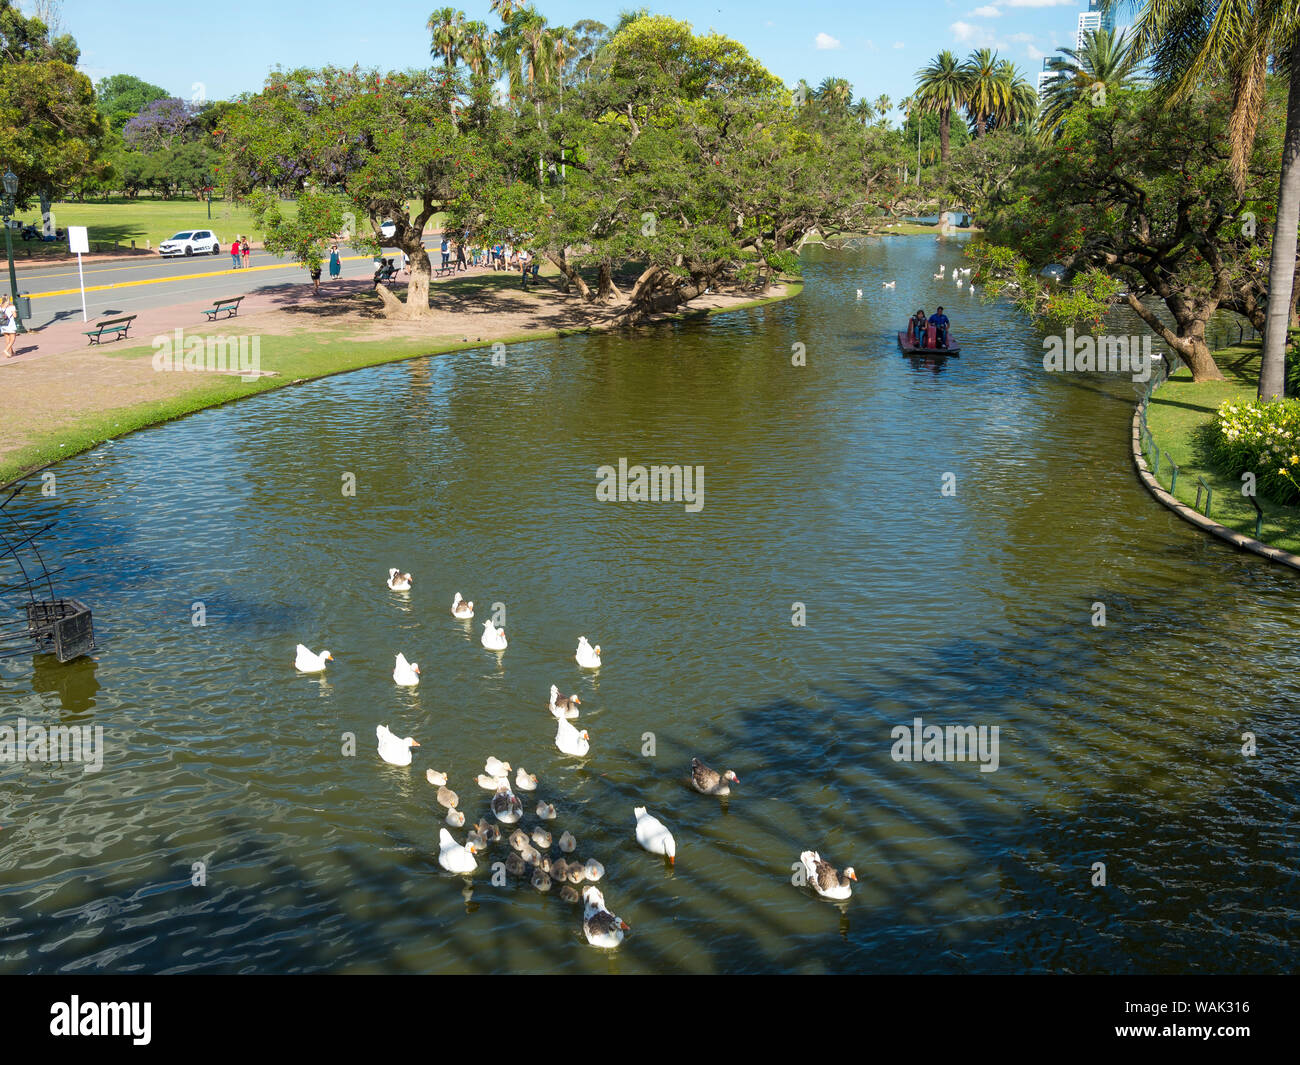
x=1263, y=439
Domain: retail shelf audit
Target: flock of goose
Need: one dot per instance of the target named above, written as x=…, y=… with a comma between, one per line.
x=960, y=274
x=538, y=855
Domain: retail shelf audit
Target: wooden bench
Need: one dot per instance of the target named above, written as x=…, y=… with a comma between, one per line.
x=230, y=306
x=116, y=326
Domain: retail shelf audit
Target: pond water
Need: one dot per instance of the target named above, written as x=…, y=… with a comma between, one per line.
x=823, y=486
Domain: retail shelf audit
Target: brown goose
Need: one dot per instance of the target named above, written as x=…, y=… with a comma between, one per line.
x=709, y=781
x=564, y=707
x=823, y=878
x=515, y=865
x=601, y=927
x=447, y=797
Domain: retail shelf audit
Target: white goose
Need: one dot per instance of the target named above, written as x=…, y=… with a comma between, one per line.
x=493, y=638
x=309, y=662
x=568, y=740
x=495, y=767
x=490, y=783
x=823, y=878
x=564, y=707
x=399, y=581
x=405, y=673
x=587, y=656
x=524, y=780
x=653, y=836
x=461, y=609
x=601, y=927
x=452, y=856
x=888, y=284
x=391, y=749
x=859, y=293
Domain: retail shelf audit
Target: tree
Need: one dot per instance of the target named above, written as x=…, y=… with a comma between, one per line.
x=120, y=97
x=51, y=134
x=1189, y=41
x=1142, y=195
x=942, y=87
x=834, y=93
x=1104, y=64
x=447, y=31
x=987, y=91
x=382, y=146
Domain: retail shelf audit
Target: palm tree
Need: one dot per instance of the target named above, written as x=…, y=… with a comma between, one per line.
x=1020, y=103
x=987, y=90
x=863, y=110
x=834, y=93
x=477, y=45
x=1189, y=41
x=883, y=104
x=942, y=87
x=446, y=27
x=505, y=8
x=1107, y=59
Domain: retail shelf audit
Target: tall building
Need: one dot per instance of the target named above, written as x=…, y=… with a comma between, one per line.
x=1091, y=21
x=1046, y=76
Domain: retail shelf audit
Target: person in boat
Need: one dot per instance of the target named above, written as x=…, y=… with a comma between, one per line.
x=940, y=322
x=917, y=328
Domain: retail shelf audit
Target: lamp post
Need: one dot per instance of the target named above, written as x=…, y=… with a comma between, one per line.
x=10, y=181
x=208, y=182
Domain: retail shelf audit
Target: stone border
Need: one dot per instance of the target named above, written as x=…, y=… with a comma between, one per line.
x=1238, y=540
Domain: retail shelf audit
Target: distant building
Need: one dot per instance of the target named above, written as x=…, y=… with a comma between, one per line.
x=1091, y=21
x=1046, y=76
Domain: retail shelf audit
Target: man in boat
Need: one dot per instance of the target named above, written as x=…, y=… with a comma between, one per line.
x=940, y=322
x=917, y=328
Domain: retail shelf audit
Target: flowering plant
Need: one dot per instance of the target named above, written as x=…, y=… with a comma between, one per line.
x=1263, y=439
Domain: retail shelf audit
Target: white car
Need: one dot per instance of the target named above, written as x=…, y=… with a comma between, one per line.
x=191, y=242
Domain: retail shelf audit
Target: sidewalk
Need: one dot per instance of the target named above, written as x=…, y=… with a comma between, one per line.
x=69, y=334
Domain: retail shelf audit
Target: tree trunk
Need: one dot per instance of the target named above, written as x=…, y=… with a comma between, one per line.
x=417, y=291
x=945, y=124
x=1281, y=268
x=606, y=290
x=571, y=275
x=1188, y=341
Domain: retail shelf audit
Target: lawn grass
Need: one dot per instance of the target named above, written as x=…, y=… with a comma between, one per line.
x=1179, y=417
x=121, y=220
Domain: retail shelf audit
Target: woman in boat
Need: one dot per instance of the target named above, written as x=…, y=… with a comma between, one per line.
x=917, y=328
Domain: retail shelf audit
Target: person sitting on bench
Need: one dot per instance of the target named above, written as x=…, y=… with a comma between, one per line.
x=917, y=327
x=940, y=322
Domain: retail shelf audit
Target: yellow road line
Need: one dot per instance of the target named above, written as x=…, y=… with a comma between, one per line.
x=178, y=277
x=102, y=268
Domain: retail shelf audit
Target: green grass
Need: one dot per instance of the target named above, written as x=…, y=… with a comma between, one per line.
x=314, y=353
x=121, y=220
x=1179, y=417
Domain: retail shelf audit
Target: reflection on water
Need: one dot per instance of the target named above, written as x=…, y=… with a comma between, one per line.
x=1119, y=744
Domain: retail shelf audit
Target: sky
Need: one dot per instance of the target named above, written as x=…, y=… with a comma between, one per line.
x=221, y=50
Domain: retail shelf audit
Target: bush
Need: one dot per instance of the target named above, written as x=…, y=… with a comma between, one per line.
x=1263, y=439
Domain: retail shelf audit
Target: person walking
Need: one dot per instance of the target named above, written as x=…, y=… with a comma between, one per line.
x=460, y=257
x=234, y=254
x=336, y=263
x=315, y=276
x=446, y=251
x=244, y=250
x=9, y=325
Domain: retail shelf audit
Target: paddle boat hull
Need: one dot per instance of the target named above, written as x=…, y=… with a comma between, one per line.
x=908, y=344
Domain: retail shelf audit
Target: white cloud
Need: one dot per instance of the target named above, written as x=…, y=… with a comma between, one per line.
x=963, y=31
x=898, y=44
x=987, y=11
x=1033, y=52
x=825, y=42
x=1021, y=38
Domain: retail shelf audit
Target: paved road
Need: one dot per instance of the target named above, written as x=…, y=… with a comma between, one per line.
x=132, y=285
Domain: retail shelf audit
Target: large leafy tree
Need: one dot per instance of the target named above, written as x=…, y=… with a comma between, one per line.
x=120, y=97
x=51, y=134
x=381, y=146
x=1190, y=41
x=987, y=89
x=1144, y=196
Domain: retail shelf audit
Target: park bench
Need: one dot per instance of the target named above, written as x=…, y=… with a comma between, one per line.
x=444, y=271
x=116, y=326
x=230, y=306
x=386, y=273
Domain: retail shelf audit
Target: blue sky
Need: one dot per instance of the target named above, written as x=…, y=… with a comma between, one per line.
x=228, y=47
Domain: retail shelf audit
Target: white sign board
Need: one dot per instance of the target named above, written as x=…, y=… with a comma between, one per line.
x=78, y=240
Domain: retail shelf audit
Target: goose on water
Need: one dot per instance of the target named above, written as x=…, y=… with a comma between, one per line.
x=405, y=673
x=399, y=581
x=823, y=878
x=562, y=706
x=888, y=284
x=515, y=865
x=709, y=781
x=524, y=780
x=541, y=879
x=490, y=783
x=570, y=894
x=653, y=836
x=455, y=818
x=587, y=656
x=495, y=767
x=448, y=798
x=308, y=661
x=461, y=609
x=392, y=750
x=493, y=638
x=568, y=740
x=859, y=293
x=506, y=806
x=567, y=843
x=601, y=927
x=594, y=870
x=435, y=778
x=546, y=812
x=452, y=856
x=541, y=838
